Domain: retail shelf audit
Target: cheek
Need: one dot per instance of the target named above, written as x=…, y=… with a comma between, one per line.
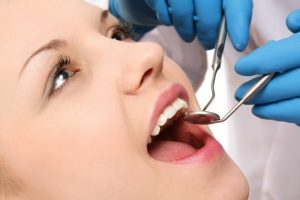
x=59, y=147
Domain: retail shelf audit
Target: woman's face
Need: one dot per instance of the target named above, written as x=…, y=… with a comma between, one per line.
x=79, y=101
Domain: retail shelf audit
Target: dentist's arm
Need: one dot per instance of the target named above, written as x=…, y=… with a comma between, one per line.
x=280, y=99
x=190, y=18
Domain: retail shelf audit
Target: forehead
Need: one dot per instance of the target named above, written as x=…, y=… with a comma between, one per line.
x=27, y=24
x=29, y=15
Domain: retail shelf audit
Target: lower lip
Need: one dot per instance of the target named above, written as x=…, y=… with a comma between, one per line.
x=211, y=150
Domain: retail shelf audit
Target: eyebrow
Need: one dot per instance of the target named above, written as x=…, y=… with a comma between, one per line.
x=104, y=15
x=53, y=44
x=57, y=43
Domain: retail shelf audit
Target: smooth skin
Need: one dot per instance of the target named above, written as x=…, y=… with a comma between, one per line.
x=191, y=18
x=280, y=100
x=88, y=139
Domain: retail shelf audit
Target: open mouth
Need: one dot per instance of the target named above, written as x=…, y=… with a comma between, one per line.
x=175, y=139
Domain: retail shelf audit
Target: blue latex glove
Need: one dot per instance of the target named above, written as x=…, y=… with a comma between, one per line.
x=280, y=99
x=190, y=17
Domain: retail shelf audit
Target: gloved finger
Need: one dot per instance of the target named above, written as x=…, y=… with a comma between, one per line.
x=162, y=10
x=275, y=56
x=208, y=14
x=138, y=13
x=238, y=16
x=288, y=111
x=293, y=21
x=281, y=87
x=182, y=15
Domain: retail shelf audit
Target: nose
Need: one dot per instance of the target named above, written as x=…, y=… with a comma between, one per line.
x=143, y=63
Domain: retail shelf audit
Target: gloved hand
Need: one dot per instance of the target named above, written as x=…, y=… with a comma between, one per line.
x=190, y=17
x=280, y=99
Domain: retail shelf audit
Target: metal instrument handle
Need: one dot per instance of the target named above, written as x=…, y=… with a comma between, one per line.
x=251, y=92
x=217, y=59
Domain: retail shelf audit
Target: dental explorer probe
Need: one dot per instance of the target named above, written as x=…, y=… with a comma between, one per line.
x=217, y=59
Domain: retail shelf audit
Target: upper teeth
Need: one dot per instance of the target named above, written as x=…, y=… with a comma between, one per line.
x=168, y=113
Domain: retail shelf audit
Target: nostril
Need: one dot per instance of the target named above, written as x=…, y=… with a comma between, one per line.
x=146, y=75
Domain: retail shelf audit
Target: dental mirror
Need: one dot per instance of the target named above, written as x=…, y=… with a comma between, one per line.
x=206, y=117
x=201, y=117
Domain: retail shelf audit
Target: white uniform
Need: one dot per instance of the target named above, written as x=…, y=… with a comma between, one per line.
x=268, y=152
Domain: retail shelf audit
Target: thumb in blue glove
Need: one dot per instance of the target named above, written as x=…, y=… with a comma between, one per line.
x=280, y=99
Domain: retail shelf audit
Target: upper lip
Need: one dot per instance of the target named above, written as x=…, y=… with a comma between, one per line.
x=165, y=99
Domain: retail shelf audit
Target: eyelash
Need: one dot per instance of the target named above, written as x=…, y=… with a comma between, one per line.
x=126, y=28
x=63, y=64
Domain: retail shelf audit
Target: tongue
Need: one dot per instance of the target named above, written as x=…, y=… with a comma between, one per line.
x=170, y=150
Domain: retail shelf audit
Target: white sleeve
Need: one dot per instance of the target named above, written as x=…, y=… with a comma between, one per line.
x=101, y=3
